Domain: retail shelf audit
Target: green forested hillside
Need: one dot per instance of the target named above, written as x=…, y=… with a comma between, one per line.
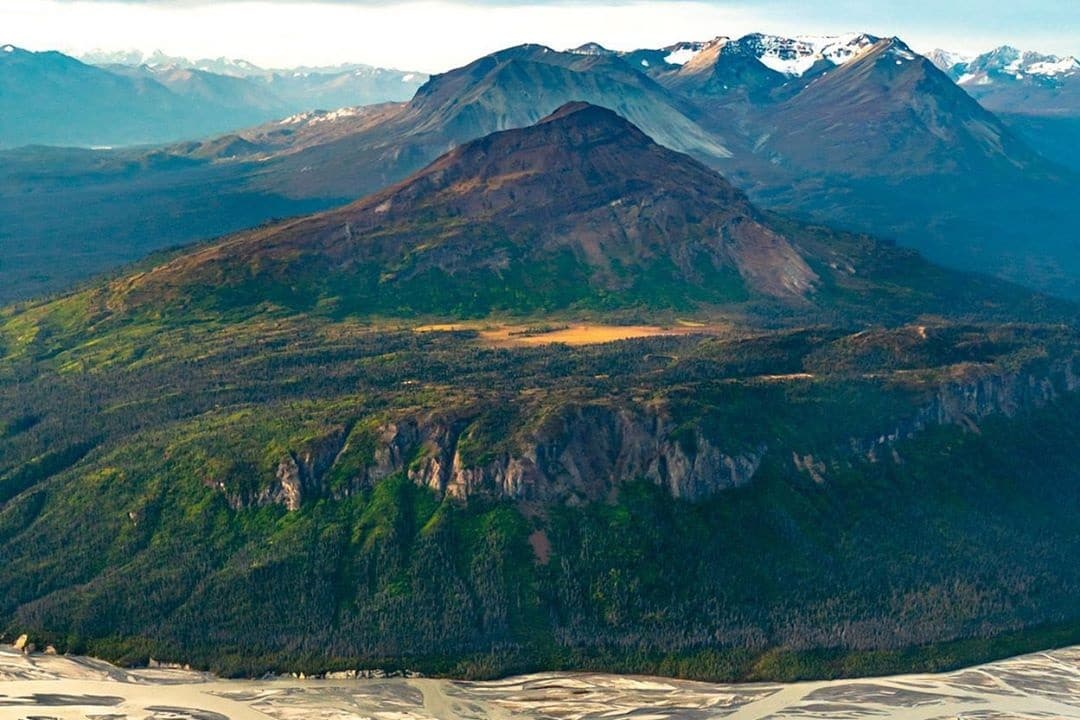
x=806, y=454
x=131, y=524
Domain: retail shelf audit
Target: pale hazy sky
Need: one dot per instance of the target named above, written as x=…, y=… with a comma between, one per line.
x=435, y=35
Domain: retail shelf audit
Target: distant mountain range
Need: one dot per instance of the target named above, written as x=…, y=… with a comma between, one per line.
x=53, y=99
x=1035, y=94
x=1016, y=81
x=855, y=131
x=233, y=67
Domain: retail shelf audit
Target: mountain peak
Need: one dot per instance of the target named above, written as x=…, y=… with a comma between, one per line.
x=577, y=209
x=592, y=48
x=522, y=51
x=788, y=56
x=585, y=112
x=1009, y=65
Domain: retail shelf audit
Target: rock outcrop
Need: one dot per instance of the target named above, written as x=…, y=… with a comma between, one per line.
x=585, y=451
x=977, y=392
x=582, y=451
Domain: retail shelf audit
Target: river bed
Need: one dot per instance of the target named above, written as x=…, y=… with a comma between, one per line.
x=36, y=687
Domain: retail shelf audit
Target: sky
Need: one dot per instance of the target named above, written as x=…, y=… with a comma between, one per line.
x=436, y=35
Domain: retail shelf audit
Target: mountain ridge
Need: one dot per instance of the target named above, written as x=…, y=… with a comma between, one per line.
x=621, y=200
x=1011, y=223
x=125, y=105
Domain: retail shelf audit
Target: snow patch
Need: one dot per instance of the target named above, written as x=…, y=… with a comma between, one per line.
x=314, y=117
x=1009, y=62
x=788, y=66
x=9, y=48
x=1061, y=66
x=795, y=56
x=644, y=63
x=946, y=59
x=681, y=56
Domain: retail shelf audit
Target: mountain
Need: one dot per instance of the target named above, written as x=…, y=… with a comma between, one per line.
x=921, y=123
x=1037, y=95
x=882, y=141
x=297, y=89
x=562, y=398
x=910, y=156
x=488, y=95
x=792, y=57
x=1014, y=82
x=508, y=89
x=868, y=99
x=42, y=92
x=230, y=67
x=948, y=62
x=628, y=222
x=200, y=86
x=121, y=104
x=898, y=135
x=129, y=203
x=1010, y=80
x=485, y=228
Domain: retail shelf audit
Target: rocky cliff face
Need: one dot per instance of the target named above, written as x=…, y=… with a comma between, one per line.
x=583, y=451
x=978, y=392
x=579, y=454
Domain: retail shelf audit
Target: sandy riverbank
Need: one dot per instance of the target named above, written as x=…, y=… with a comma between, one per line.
x=1041, y=685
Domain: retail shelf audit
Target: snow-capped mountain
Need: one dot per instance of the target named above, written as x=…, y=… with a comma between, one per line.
x=286, y=90
x=794, y=57
x=1038, y=95
x=789, y=56
x=650, y=60
x=592, y=48
x=946, y=60
x=232, y=67
x=161, y=98
x=1006, y=64
x=1011, y=81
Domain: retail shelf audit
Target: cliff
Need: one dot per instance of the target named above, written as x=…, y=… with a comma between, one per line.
x=582, y=451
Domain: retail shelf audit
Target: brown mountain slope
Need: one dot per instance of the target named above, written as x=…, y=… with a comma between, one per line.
x=889, y=103
x=508, y=89
x=581, y=211
x=580, y=206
